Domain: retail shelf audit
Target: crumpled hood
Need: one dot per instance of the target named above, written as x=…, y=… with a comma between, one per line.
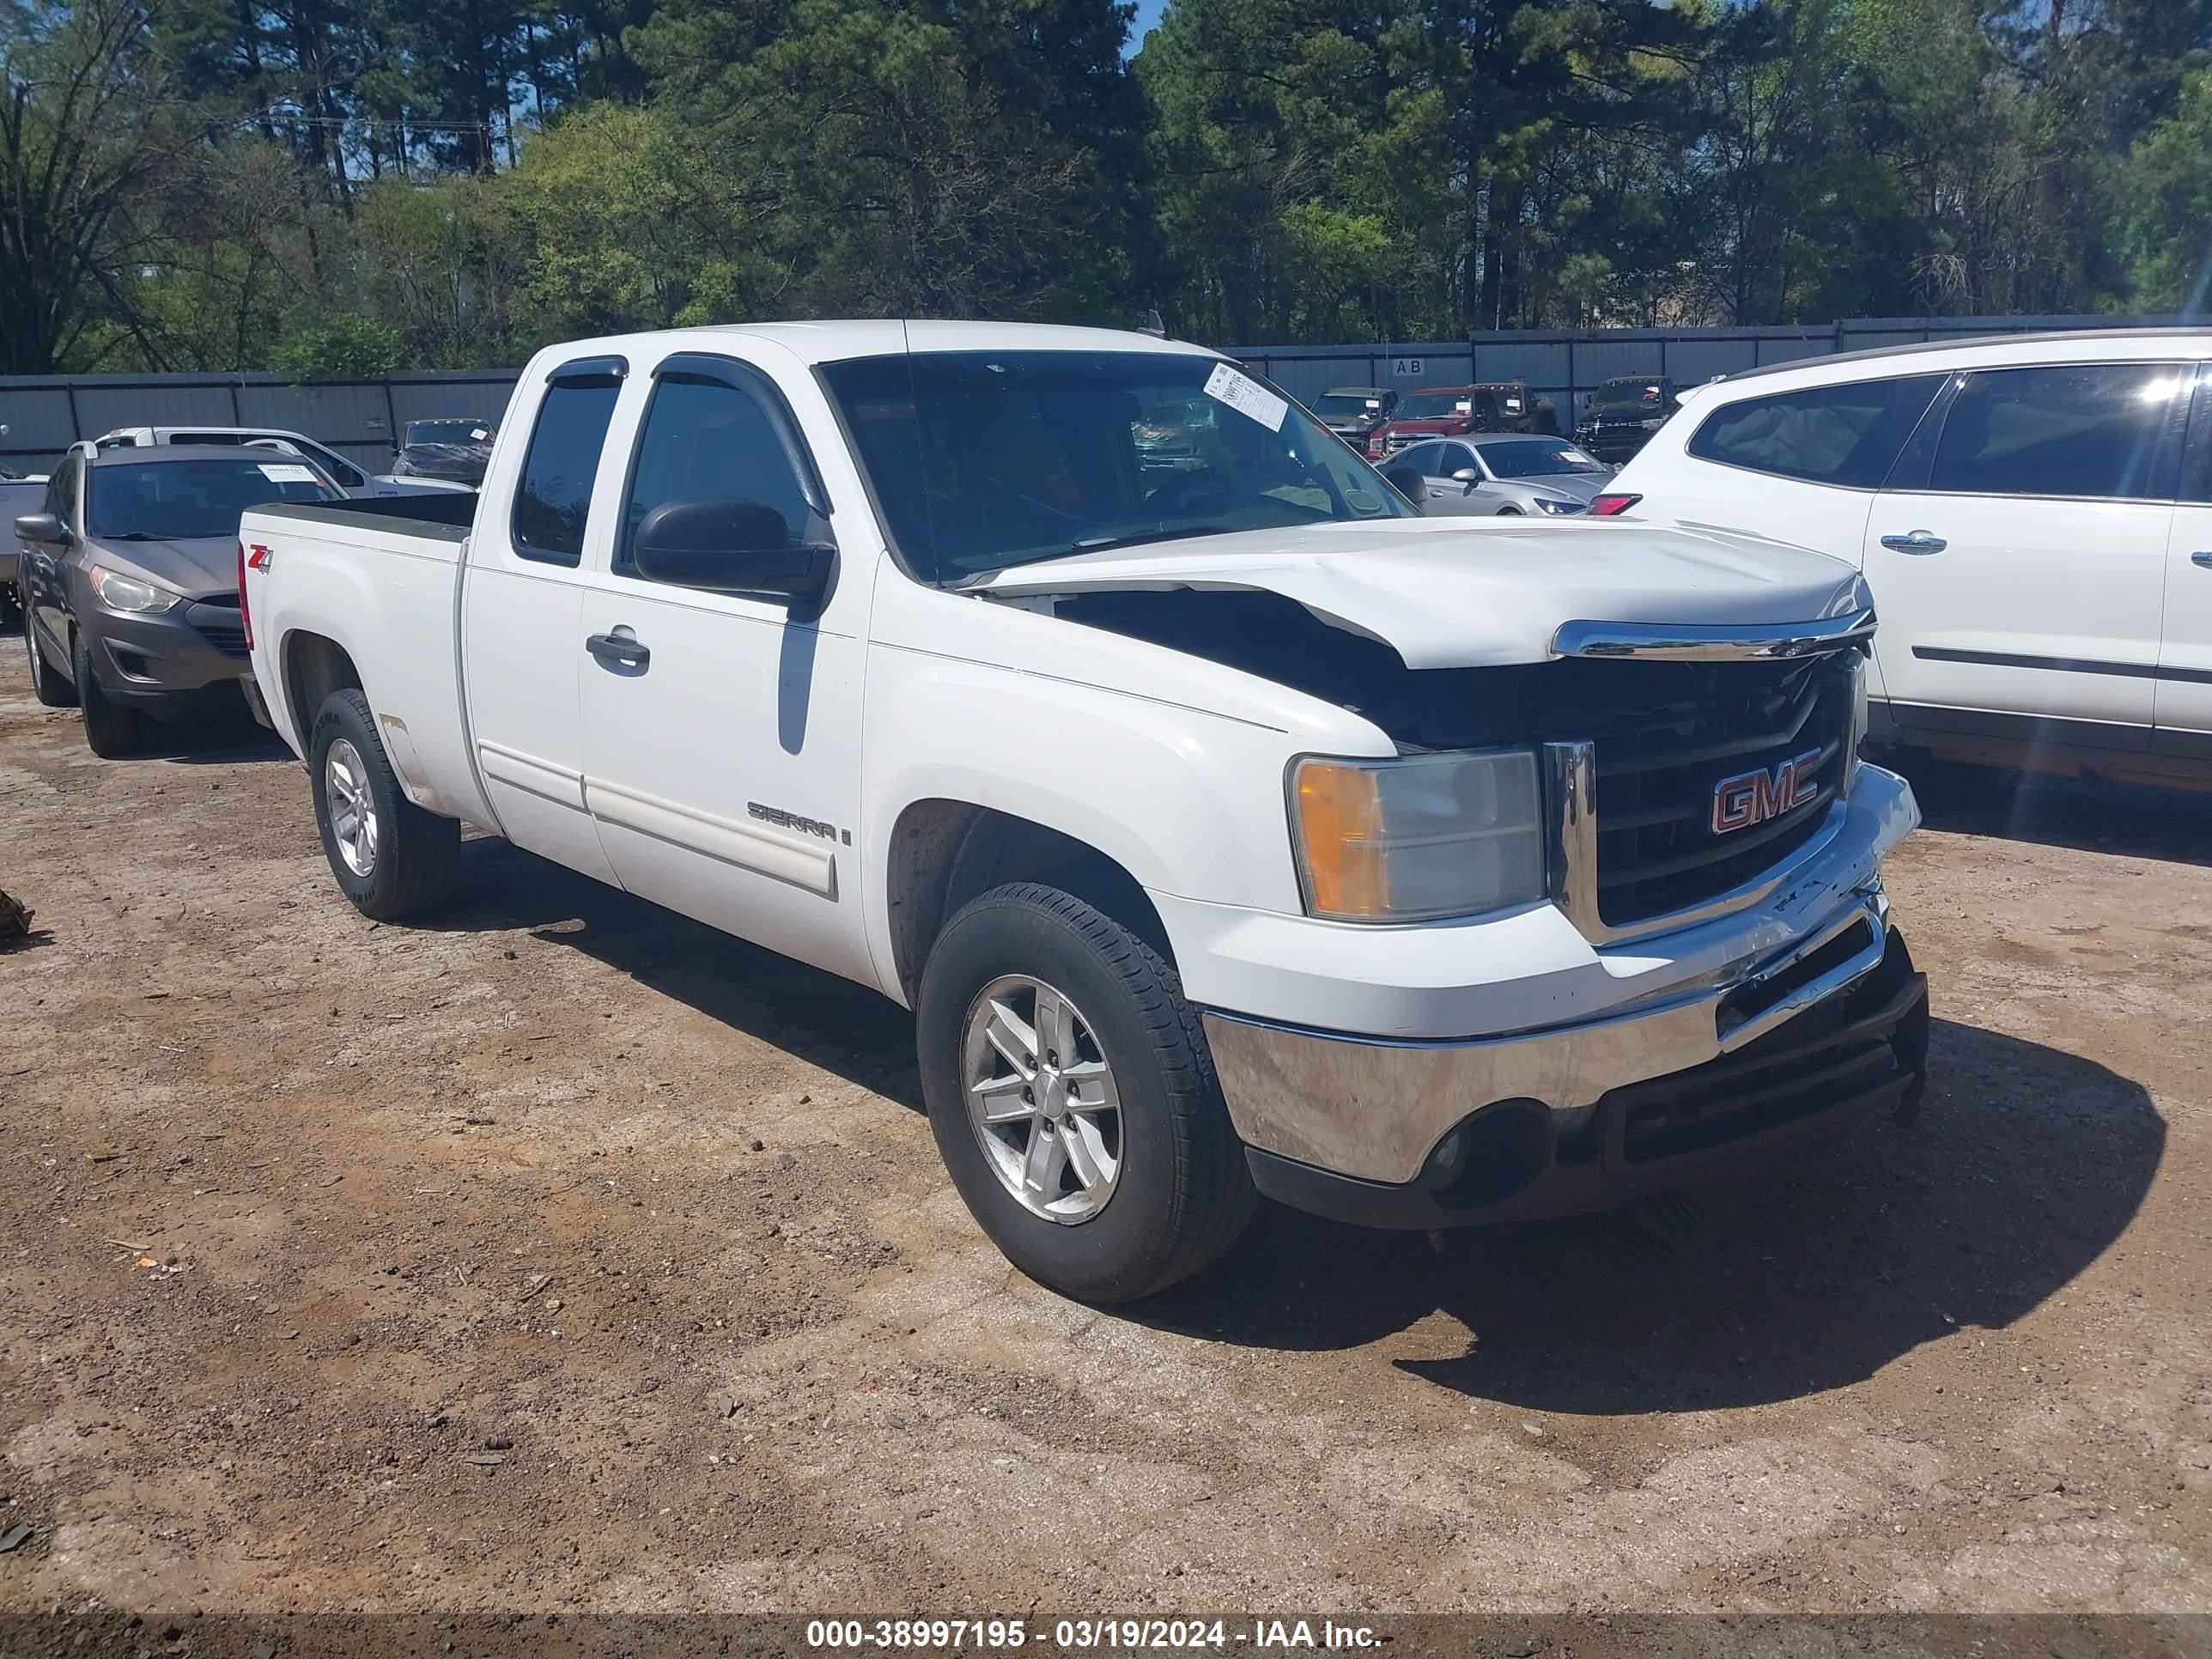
x=1452, y=593
x=197, y=567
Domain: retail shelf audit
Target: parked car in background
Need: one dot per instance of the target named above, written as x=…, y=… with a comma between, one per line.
x=130, y=579
x=354, y=480
x=1452, y=410
x=1624, y=413
x=1505, y=475
x=2033, y=514
x=450, y=451
x=1230, y=829
x=20, y=493
x=1353, y=412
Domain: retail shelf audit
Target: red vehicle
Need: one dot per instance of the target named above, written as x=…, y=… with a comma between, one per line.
x=1452, y=411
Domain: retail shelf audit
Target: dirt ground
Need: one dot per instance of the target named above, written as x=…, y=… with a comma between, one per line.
x=566, y=1254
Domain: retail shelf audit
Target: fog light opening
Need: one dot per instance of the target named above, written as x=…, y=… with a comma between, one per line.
x=1493, y=1155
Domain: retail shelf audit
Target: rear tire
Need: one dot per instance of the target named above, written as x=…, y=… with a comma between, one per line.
x=112, y=730
x=391, y=857
x=46, y=685
x=1178, y=1190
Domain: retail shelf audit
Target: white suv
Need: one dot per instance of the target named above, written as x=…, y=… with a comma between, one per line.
x=2033, y=514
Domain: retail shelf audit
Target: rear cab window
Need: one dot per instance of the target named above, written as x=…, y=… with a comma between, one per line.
x=553, y=500
x=1848, y=434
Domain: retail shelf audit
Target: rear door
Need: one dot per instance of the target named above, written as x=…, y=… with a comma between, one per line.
x=2018, y=555
x=2183, y=707
x=521, y=619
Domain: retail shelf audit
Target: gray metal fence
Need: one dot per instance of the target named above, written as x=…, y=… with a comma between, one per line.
x=1567, y=365
x=362, y=418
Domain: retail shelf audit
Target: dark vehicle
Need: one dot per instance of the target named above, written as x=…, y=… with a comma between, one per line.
x=1166, y=438
x=1624, y=413
x=1353, y=412
x=130, y=580
x=454, y=450
x=1453, y=411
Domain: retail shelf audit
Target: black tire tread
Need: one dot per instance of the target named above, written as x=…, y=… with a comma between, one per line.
x=420, y=859
x=111, y=730
x=1214, y=1196
x=47, y=684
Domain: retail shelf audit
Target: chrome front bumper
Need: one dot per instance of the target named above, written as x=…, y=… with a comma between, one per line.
x=1373, y=1109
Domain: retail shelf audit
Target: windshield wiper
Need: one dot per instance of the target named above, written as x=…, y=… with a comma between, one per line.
x=1102, y=543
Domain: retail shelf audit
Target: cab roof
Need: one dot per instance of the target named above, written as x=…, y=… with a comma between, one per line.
x=835, y=342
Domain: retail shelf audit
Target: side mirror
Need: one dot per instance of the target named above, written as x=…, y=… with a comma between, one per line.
x=43, y=528
x=1467, y=475
x=738, y=547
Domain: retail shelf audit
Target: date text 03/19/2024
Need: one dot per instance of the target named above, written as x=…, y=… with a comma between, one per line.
x=1087, y=1635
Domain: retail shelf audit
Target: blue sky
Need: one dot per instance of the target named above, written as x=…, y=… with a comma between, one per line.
x=1148, y=13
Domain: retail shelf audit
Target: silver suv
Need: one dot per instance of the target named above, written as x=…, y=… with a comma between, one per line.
x=129, y=579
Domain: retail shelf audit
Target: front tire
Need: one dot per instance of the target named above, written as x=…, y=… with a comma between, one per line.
x=112, y=730
x=1073, y=1099
x=51, y=690
x=391, y=857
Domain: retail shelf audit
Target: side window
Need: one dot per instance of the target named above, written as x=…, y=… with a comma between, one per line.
x=2077, y=430
x=1422, y=457
x=1838, y=434
x=1454, y=458
x=2197, y=464
x=343, y=472
x=726, y=455
x=61, y=490
x=553, y=499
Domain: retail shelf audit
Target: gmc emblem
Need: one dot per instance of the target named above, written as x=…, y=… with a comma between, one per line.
x=1750, y=798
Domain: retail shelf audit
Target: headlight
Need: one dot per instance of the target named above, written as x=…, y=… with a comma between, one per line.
x=119, y=592
x=1413, y=839
x=1544, y=504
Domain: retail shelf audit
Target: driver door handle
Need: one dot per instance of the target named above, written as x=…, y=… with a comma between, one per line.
x=1920, y=541
x=622, y=649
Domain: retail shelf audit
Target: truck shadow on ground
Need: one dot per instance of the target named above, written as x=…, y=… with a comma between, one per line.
x=2094, y=814
x=2027, y=1163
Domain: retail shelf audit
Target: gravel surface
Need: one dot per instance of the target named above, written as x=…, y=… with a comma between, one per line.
x=567, y=1255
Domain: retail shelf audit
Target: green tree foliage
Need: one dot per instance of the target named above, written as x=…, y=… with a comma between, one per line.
x=321, y=184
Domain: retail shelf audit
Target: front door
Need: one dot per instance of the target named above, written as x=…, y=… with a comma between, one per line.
x=522, y=608
x=721, y=732
x=2184, y=652
x=2018, y=555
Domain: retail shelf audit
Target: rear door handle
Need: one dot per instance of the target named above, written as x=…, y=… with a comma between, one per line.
x=621, y=648
x=1920, y=541
x=2202, y=560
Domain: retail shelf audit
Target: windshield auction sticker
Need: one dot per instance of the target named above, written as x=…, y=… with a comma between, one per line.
x=1247, y=396
x=282, y=472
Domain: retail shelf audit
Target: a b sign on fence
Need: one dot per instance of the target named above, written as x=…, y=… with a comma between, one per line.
x=1406, y=368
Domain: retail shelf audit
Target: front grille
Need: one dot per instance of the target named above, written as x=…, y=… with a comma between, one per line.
x=217, y=622
x=1658, y=766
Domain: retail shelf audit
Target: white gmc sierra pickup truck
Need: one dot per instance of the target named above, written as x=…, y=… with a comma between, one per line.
x=1229, y=827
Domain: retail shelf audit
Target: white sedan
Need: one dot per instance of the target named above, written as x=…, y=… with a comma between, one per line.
x=1500, y=474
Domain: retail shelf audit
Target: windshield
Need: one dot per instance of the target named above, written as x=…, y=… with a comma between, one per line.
x=1435, y=406
x=181, y=501
x=1538, y=458
x=986, y=460
x=1616, y=394
x=447, y=432
x=1347, y=403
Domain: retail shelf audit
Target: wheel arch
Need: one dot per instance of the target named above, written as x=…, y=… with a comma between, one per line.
x=943, y=853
